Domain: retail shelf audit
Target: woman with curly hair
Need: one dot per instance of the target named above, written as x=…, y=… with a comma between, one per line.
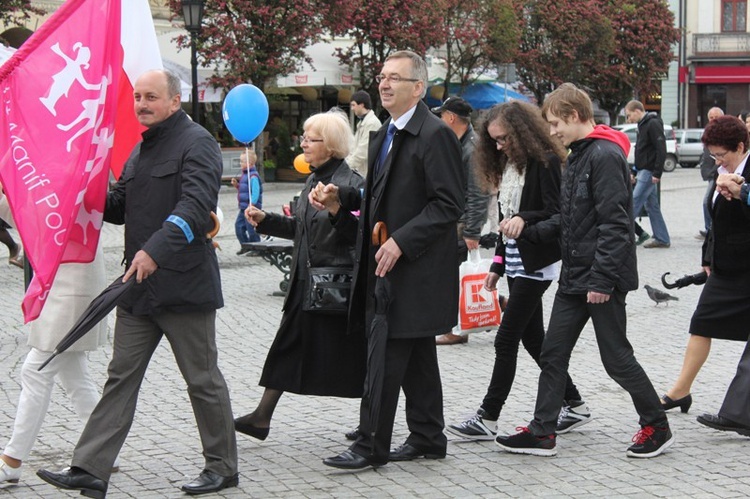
x=516, y=152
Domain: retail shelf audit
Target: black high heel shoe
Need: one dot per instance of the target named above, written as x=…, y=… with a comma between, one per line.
x=684, y=403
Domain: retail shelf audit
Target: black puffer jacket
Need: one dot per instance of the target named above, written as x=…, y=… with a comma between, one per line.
x=595, y=223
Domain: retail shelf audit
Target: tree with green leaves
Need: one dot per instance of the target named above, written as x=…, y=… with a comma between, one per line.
x=16, y=12
x=255, y=40
x=644, y=37
x=561, y=40
x=477, y=36
x=379, y=29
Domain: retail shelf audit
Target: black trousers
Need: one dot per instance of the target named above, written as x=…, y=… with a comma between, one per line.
x=570, y=313
x=736, y=406
x=410, y=364
x=523, y=321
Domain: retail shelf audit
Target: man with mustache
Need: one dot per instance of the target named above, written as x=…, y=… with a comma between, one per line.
x=167, y=190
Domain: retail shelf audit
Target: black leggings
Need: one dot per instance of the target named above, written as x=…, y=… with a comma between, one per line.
x=523, y=320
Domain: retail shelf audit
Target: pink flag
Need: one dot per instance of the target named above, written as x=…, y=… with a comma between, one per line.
x=57, y=132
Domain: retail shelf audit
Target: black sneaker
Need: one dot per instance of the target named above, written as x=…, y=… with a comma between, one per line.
x=572, y=417
x=476, y=428
x=650, y=441
x=526, y=443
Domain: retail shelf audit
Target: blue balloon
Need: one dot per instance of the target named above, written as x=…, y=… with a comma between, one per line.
x=245, y=112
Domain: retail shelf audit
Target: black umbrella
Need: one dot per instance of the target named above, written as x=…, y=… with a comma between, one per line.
x=686, y=280
x=95, y=312
x=377, y=337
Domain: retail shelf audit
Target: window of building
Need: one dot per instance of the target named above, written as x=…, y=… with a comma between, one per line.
x=734, y=15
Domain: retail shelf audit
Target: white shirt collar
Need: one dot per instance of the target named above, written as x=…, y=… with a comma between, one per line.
x=404, y=118
x=738, y=170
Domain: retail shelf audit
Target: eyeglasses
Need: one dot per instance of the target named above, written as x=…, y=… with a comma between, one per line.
x=718, y=155
x=393, y=78
x=501, y=140
x=308, y=139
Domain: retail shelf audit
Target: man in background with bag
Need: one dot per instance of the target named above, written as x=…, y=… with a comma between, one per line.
x=456, y=113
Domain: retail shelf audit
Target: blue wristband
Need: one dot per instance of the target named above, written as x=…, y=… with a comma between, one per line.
x=183, y=225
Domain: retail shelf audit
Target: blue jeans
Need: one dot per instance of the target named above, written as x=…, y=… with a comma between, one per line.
x=244, y=231
x=644, y=194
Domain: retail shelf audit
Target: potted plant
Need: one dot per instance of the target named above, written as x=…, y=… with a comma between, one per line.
x=269, y=170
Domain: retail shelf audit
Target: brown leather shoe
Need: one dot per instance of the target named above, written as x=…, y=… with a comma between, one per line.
x=451, y=339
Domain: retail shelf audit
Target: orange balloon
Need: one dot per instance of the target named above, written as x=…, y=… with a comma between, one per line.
x=301, y=165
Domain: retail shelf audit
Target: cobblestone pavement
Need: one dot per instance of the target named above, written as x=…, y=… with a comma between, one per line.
x=163, y=450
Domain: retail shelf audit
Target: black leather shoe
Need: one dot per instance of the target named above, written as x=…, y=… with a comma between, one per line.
x=243, y=425
x=76, y=479
x=208, y=481
x=349, y=460
x=354, y=434
x=408, y=452
x=720, y=423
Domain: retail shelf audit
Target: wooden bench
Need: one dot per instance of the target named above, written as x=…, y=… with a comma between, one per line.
x=277, y=252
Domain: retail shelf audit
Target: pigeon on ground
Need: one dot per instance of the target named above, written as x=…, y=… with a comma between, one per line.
x=658, y=295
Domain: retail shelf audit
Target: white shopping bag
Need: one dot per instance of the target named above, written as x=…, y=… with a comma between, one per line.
x=478, y=308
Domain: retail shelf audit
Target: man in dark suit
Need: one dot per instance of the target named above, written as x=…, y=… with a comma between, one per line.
x=416, y=188
x=167, y=190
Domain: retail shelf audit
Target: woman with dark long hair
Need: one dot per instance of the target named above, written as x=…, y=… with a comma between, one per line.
x=516, y=153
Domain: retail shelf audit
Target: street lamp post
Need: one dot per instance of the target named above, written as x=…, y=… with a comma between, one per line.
x=192, y=12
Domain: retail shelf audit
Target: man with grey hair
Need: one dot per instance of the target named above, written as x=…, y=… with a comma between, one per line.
x=165, y=196
x=415, y=187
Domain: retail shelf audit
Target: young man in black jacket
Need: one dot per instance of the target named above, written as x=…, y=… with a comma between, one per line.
x=650, y=154
x=595, y=228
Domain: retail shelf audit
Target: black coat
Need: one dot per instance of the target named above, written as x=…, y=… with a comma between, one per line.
x=168, y=188
x=312, y=354
x=595, y=223
x=420, y=197
x=727, y=244
x=315, y=239
x=540, y=200
x=651, y=146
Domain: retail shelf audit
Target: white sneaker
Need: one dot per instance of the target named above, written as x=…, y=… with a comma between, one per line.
x=573, y=417
x=476, y=428
x=9, y=474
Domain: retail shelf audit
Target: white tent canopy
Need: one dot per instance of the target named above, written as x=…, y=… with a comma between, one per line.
x=326, y=70
x=178, y=61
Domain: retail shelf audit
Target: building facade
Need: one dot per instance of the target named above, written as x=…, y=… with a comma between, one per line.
x=714, y=59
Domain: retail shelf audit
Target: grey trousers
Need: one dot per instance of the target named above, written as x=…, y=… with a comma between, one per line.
x=736, y=406
x=193, y=340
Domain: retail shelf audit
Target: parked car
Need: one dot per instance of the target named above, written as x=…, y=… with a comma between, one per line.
x=230, y=157
x=631, y=130
x=689, y=146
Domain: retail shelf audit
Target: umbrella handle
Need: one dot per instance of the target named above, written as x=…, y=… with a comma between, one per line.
x=665, y=283
x=217, y=225
x=379, y=234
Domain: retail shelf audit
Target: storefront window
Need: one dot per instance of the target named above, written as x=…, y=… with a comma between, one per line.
x=734, y=15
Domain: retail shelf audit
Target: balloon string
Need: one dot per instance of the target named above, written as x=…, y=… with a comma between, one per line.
x=249, y=183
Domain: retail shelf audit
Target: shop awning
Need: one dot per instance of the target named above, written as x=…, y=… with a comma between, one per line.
x=722, y=74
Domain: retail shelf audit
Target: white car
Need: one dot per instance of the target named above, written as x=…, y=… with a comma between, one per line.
x=631, y=130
